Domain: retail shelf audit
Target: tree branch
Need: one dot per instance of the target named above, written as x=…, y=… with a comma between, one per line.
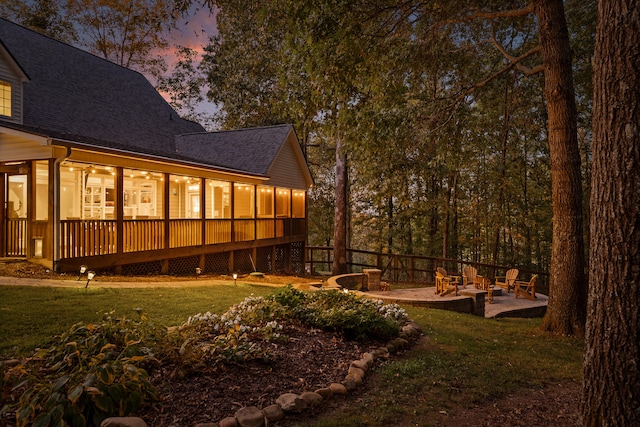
x=516, y=61
x=502, y=13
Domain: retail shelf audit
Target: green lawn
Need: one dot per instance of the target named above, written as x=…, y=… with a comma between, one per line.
x=463, y=358
x=29, y=316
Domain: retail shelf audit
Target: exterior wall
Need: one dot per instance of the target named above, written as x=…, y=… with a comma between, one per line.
x=8, y=74
x=286, y=170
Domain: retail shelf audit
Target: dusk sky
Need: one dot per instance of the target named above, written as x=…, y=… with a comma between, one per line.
x=194, y=33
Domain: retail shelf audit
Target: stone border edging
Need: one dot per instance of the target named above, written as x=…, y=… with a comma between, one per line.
x=291, y=403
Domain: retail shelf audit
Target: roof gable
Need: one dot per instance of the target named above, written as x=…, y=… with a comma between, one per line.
x=11, y=63
x=77, y=96
x=256, y=150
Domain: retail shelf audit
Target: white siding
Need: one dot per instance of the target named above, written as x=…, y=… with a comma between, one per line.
x=287, y=170
x=8, y=74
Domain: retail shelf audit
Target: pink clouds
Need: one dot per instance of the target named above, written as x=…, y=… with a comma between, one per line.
x=195, y=31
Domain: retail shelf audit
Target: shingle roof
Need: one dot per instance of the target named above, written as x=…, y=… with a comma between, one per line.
x=78, y=96
x=252, y=150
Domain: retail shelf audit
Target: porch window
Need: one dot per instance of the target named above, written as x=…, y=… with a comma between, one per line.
x=184, y=197
x=283, y=203
x=218, y=199
x=298, y=210
x=5, y=98
x=243, y=205
x=143, y=194
x=87, y=191
x=265, y=202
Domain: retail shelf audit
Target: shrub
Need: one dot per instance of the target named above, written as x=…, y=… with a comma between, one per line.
x=88, y=373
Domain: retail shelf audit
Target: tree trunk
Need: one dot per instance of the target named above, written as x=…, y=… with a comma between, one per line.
x=567, y=290
x=611, y=395
x=340, y=212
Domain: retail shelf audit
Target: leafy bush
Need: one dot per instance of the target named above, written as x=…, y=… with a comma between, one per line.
x=95, y=371
x=354, y=317
x=88, y=373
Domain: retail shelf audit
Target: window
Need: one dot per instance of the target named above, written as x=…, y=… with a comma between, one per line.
x=243, y=200
x=5, y=98
x=298, y=204
x=143, y=194
x=283, y=203
x=265, y=202
x=184, y=193
x=218, y=199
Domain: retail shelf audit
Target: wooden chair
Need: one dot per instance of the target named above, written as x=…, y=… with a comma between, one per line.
x=526, y=289
x=445, y=284
x=469, y=274
x=508, y=280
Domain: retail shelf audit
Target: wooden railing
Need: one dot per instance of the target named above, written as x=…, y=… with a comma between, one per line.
x=217, y=231
x=265, y=228
x=87, y=238
x=243, y=230
x=142, y=234
x=185, y=232
x=407, y=268
x=82, y=238
x=16, y=239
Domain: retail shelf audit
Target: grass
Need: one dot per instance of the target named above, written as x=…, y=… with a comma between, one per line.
x=30, y=316
x=464, y=359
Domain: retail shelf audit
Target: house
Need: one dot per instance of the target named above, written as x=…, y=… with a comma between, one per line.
x=97, y=169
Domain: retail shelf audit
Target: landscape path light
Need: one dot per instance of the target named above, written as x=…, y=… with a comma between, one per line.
x=90, y=275
x=235, y=277
x=83, y=269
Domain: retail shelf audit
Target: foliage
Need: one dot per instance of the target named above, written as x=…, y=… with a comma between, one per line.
x=243, y=332
x=44, y=16
x=431, y=172
x=354, y=317
x=88, y=373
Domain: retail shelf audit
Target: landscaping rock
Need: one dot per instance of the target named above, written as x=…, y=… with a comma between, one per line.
x=311, y=398
x=349, y=383
x=228, y=422
x=325, y=392
x=123, y=422
x=291, y=402
x=356, y=371
x=207, y=425
x=360, y=364
x=250, y=416
x=368, y=358
x=338, y=389
x=273, y=413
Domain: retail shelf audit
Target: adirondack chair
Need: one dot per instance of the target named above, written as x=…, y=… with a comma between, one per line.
x=508, y=280
x=445, y=284
x=526, y=289
x=469, y=274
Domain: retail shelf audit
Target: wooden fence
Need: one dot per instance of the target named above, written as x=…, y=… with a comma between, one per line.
x=417, y=269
